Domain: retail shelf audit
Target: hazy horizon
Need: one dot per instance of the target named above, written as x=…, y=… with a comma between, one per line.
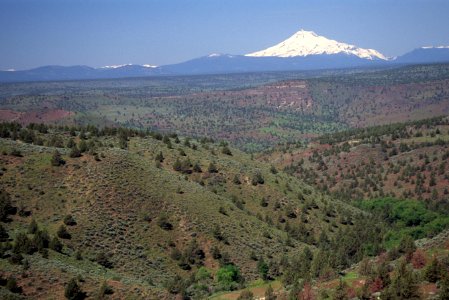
x=99, y=32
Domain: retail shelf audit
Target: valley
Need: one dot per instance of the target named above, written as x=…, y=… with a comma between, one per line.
x=253, y=112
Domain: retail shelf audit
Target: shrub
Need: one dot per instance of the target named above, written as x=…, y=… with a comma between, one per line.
x=215, y=251
x=202, y=274
x=216, y=232
x=159, y=157
x=262, y=268
x=197, y=168
x=22, y=244
x=6, y=207
x=63, y=233
x=12, y=286
x=226, y=150
x=103, y=260
x=3, y=234
x=73, y=291
x=164, y=223
x=41, y=240
x=212, y=168
x=16, y=258
x=269, y=293
x=55, y=244
x=56, y=159
x=32, y=227
x=246, y=295
x=227, y=276
x=105, y=289
x=432, y=273
x=75, y=152
x=16, y=152
x=257, y=179
x=69, y=220
x=418, y=259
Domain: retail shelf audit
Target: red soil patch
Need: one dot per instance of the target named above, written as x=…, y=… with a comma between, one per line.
x=428, y=289
x=9, y=115
x=46, y=116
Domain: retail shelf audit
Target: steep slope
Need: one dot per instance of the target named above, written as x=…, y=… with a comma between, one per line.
x=407, y=161
x=148, y=221
x=305, y=43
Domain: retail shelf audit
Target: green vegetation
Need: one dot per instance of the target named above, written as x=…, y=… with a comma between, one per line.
x=405, y=217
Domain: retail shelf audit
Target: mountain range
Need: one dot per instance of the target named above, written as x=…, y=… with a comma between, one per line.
x=305, y=50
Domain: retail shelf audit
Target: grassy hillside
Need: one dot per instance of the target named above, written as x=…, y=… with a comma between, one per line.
x=406, y=160
x=141, y=219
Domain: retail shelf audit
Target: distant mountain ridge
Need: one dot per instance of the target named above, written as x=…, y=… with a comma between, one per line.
x=47, y=73
x=425, y=55
x=305, y=50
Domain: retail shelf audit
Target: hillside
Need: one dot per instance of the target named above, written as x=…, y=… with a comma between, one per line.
x=127, y=215
x=406, y=160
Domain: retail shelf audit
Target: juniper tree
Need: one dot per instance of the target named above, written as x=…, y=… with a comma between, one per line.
x=56, y=159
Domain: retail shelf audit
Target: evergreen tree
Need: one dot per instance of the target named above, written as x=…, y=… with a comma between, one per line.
x=6, y=207
x=56, y=159
x=41, y=240
x=75, y=152
x=262, y=268
x=197, y=168
x=226, y=150
x=73, y=291
x=341, y=292
x=433, y=271
x=177, y=166
x=63, y=233
x=444, y=288
x=32, y=227
x=69, y=220
x=3, y=234
x=103, y=260
x=70, y=144
x=55, y=244
x=82, y=146
x=257, y=179
x=159, y=157
x=22, y=244
x=269, y=293
x=215, y=251
x=11, y=285
x=404, y=284
x=212, y=168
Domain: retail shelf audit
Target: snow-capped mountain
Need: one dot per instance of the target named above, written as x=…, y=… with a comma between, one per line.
x=126, y=65
x=305, y=43
x=305, y=50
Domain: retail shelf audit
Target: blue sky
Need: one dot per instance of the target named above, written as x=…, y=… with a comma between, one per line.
x=106, y=32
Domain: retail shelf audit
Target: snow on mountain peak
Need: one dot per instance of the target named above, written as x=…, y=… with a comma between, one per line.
x=435, y=47
x=127, y=65
x=304, y=43
x=220, y=55
x=115, y=66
